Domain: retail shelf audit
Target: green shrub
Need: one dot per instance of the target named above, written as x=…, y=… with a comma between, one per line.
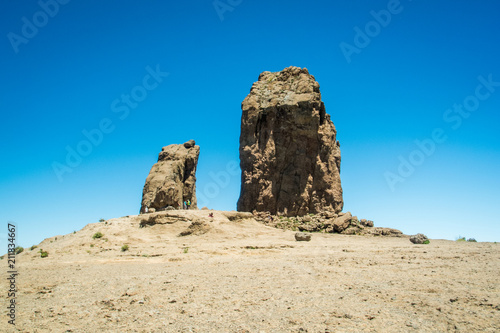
x=472, y=240
x=102, y=220
x=91, y=245
x=427, y=241
x=43, y=254
x=33, y=247
x=186, y=249
x=18, y=249
x=97, y=235
x=124, y=248
x=460, y=239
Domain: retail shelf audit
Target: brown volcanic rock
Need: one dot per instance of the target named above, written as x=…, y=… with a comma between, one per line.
x=290, y=158
x=172, y=180
x=341, y=223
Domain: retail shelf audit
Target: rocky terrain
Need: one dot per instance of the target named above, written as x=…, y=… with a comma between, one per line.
x=288, y=261
x=289, y=154
x=183, y=271
x=342, y=223
x=172, y=180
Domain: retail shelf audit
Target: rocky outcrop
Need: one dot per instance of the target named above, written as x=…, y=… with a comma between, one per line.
x=327, y=222
x=160, y=218
x=290, y=158
x=172, y=180
x=198, y=227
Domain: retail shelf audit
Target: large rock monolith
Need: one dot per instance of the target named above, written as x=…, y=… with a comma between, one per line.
x=172, y=180
x=289, y=154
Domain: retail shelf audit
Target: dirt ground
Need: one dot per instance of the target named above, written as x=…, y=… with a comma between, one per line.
x=241, y=276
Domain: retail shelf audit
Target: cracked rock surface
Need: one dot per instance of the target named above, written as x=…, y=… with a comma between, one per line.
x=289, y=153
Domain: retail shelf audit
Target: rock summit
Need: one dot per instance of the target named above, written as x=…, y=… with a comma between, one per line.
x=172, y=180
x=289, y=153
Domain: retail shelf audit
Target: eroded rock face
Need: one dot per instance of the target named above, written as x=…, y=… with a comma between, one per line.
x=172, y=180
x=290, y=157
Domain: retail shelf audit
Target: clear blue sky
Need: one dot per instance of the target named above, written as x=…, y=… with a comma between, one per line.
x=67, y=71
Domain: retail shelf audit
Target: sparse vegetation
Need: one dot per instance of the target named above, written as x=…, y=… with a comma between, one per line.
x=186, y=249
x=18, y=249
x=124, y=248
x=97, y=235
x=43, y=254
x=91, y=245
x=33, y=247
x=463, y=239
x=102, y=220
x=426, y=241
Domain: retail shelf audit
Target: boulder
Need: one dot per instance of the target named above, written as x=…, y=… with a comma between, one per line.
x=189, y=144
x=351, y=231
x=290, y=158
x=355, y=221
x=379, y=231
x=172, y=180
x=418, y=239
x=328, y=215
x=309, y=227
x=366, y=223
x=342, y=222
x=302, y=237
x=307, y=218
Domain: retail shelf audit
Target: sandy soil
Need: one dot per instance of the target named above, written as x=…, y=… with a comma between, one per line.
x=242, y=276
